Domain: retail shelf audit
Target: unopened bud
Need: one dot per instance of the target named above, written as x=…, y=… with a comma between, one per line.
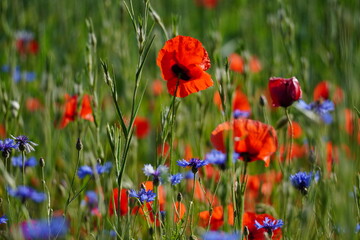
x=179, y=197
x=246, y=232
x=79, y=144
x=143, y=186
x=42, y=162
x=262, y=101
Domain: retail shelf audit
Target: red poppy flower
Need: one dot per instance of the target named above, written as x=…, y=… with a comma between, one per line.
x=252, y=139
x=240, y=101
x=298, y=151
x=254, y=64
x=249, y=219
x=163, y=149
x=207, y=3
x=297, y=130
x=236, y=63
x=114, y=202
x=2, y=131
x=323, y=89
x=179, y=211
x=157, y=87
x=284, y=91
x=33, y=104
x=217, y=217
x=70, y=110
x=142, y=127
x=86, y=110
x=183, y=62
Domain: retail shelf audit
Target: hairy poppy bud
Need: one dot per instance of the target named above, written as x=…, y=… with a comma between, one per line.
x=284, y=91
x=79, y=144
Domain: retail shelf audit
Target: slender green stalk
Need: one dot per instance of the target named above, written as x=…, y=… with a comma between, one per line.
x=23, y=167
x=291, y=134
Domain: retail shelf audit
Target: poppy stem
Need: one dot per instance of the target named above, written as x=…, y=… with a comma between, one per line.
x=291, y=134
x=240, y=195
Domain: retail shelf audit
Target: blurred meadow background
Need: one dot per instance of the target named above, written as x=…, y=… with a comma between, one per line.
x=85, y=71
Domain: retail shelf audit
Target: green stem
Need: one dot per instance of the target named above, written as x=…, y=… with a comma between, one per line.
x=291, y=134
x=23, y=167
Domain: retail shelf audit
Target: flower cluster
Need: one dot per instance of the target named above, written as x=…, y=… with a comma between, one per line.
x=301, y=181
x=143, y=195
x=6, y=147
x=194, y=163
x=41, y=229
x=84, y=171
x=25, y=192
x=17, y=162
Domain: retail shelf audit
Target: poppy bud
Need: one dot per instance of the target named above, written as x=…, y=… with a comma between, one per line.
x=79, y=144
x=42, y=162
x=284, y=91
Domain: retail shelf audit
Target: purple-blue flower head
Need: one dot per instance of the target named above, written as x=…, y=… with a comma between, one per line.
x=143, y=195
x=155, y=173
x=24, y=144
x=40, y=229
x=85, y=170
x=241, y=114
x=3, y=219
x=219, y=158
x=194, y=163
x=269, y=225
x=17, y=162
x=322, y=109
x=6, y=146
x=176, y=178
x=301, y=181
x=24, y=193
x=218, y=235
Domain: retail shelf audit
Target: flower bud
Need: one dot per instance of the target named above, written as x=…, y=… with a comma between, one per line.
x=179, y=197
x=262, y=101
x=284, y=91
x=79, y=144
x=42, y=162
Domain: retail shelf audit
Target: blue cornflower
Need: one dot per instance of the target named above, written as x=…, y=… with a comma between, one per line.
x=29, y=76
x=17, y=162
x=91, y=199
x=301, y=181
x=3, y=219
x=322, y=109
x=241, y=114
x=189, y=175
x=216, y=235
x=219, y=158
x=104, y=168
x=357, y=229
x=85, y=170
x=6, y=146
x=40, y=229
x=24, y=143
x=176, y=178
x=156, y=174
x=24, y=192
x=269, y=225
x=194, y=163
x=143, y=195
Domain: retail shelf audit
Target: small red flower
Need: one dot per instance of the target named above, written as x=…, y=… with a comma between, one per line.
x=207, y=3
x=323, y=89
x=157, y=87
x=254, y=64
x=284, y=91
x=253, y=140
x=236, y=63
x=70, y=110
x=2, y=131
x=71, y=113
x=114, y=202
x=183, y=62
x=33, y=104
x=86, y=110
x=142, y=127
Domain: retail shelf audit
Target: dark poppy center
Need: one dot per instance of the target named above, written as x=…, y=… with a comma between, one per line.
x=180, y=72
